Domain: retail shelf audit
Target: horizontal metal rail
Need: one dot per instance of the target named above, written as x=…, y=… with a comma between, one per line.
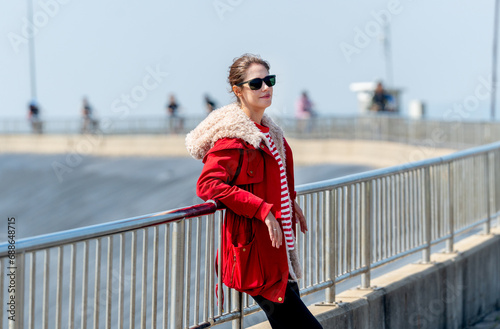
x=385, y=172
x=119, y=274
x=100, y=230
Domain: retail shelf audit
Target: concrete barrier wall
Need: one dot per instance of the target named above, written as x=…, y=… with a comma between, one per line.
x=452, y=292
x=376, y=154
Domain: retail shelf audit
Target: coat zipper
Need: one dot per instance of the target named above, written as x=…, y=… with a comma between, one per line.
x=234, y=266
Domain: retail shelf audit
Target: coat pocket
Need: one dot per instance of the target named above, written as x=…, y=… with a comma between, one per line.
x=242, y=269
x=252, y=170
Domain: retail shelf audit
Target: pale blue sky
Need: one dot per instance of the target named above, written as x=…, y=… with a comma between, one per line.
x=440, y=49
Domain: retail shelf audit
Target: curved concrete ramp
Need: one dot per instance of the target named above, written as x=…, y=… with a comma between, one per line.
x=59, y=182
x=53, y=192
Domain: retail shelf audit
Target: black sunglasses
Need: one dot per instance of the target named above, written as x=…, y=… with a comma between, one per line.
x=256, y=84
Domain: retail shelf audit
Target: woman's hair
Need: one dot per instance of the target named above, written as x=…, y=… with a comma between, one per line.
x=239, y=68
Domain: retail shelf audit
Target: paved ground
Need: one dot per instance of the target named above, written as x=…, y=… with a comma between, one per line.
x=491, y=321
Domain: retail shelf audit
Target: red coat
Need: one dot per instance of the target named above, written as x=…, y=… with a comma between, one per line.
x=249, y=262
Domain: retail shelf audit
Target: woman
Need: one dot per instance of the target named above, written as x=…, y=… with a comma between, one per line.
x=248, y=167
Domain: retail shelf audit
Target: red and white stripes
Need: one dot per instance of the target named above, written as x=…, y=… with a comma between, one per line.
x=286, y=211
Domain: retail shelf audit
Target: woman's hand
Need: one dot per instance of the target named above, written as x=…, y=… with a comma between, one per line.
x=274, y=230
x=299, y=217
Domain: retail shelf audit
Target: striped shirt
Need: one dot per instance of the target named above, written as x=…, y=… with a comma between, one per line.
x=286, y=209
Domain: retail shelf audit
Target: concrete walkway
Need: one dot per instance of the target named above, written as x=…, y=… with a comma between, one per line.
x=491, y=321
x=375, y=154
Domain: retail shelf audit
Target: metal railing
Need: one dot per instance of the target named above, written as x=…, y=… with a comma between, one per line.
x=107, y=125
x=430, y=133
x=158, y=270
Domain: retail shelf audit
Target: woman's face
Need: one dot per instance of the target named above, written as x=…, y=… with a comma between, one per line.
x=255, y=100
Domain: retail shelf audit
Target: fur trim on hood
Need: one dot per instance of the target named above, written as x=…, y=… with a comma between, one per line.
x=231, y=122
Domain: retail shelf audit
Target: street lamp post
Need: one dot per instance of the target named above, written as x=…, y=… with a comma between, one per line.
x=388, y=55
x=494, y=68
x=32, y=55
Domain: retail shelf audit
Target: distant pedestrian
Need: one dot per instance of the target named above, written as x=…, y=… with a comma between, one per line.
x=175, y=121
x=34, y=118
x=89, y=122
x=304, y=112
x=381, y=100
x=210, y=104
x=172, y=106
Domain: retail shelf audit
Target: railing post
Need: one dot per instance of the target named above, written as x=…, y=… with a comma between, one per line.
x=237, y=305
x=366, y=235
x=487, y=185
x=2, y=284
x=426, y=253
x=496, y=186
x=451, y=209
x=97, y=282
x=45, y=289
x=19, y=291
x=220, y=290
x=177, y=278
x=154, y=292
x=331, y=249
x=20, y=307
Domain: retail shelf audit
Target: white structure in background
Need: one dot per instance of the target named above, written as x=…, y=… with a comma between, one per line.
x=364, y=92
x=416, y=109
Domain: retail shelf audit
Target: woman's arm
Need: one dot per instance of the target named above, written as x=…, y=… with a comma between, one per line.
x=214, y=183
x=299, y=217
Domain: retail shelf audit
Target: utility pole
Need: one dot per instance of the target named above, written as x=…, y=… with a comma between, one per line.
x=388, y=55
x=494, y=68
x=31, y=56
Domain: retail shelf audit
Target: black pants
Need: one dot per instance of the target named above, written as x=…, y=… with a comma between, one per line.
x=292, y=313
